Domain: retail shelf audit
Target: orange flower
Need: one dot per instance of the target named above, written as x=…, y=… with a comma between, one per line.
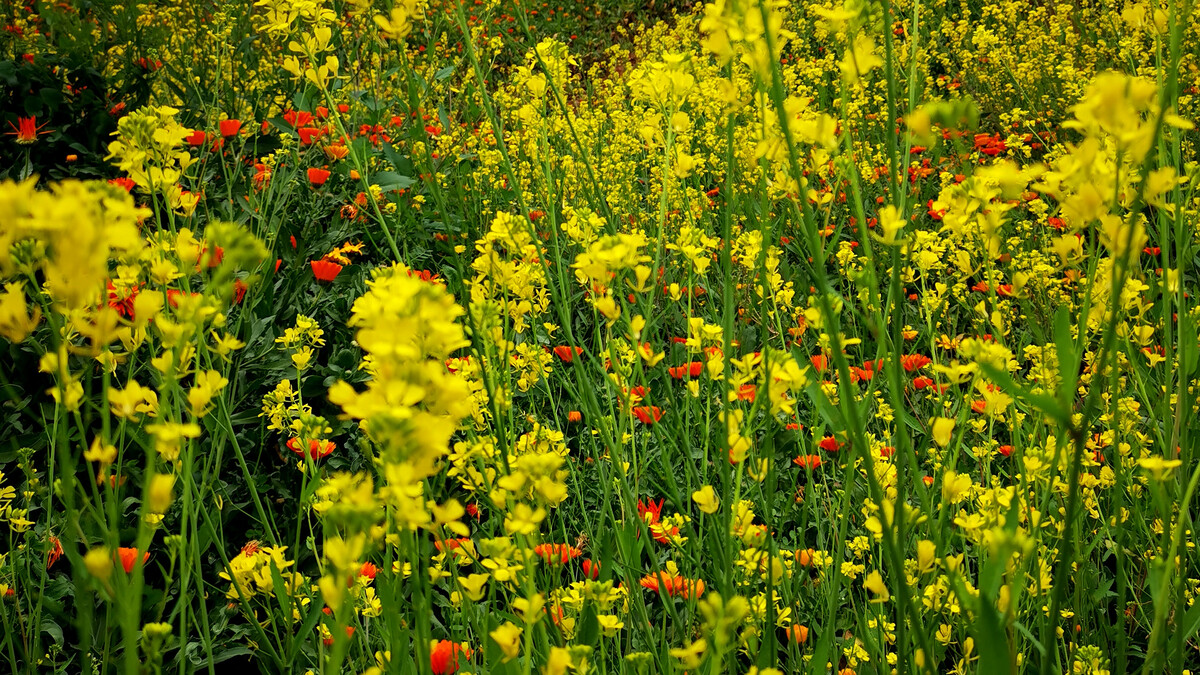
x=913, y=362
x=674, y=586
x=830, y=444
x=648, y=414
x=692, y=369
x=556, y=553
x=325, y=270
x=27, y=130
x=318, y=176
x=798, y=634
x=55, y=552
x=316, y=449
x=804, y=557
x=567, y=354
x=810, y=462
x=128, y=558
x=574, y=416
x=591, y=569
x=230, y=127
x=443, y=657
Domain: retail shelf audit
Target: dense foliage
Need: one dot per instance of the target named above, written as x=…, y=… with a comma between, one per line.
x=481, y=337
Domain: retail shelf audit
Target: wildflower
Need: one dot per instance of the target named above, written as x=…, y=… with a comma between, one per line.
x=913, y=362
x=27, y=130
x=556, y=553
x=706, y=499
x=647, y=414
x=1159, y=468
x=830, y=444
x=567, y=354
x=692, y=369
x=574, y=416
x=798, y=634
x=874, y=583
x=128, y=558
x=55, y=552
x=325, y=270
x=316, y=449
x=591, y=569
x=942, y=430
x=508, y=637
x=810, y=462
x=230, y=127
x=318, y=176
x=443, y=656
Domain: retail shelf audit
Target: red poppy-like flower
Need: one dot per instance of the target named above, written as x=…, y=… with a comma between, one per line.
x=830, y=444
x=556, y=553
x=922, y=382
x=325, y=270
x=913, y=362
x=308, y=135
x=318, y=176
x=316, y=449
x=1006, y=450
x=591, y=569
x=27, y=130
x=128, y=558
x=810, y=462
x=567, y=354
x=473, y=511
x=55, y=552
x=230, y=127
x=647, y=414
x=443, y=657
x=887, y=451
x=197, y=138
x=574, y=416
x=692, y=369
x=747, y=392
x=820, y=362
x=369, y=570
x=978, y=406
x=297, y=118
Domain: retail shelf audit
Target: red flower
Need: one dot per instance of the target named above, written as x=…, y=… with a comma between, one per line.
x=126, y=183
x=556, y=553
x=647, y=414
x=830, y=444
x=368, y=570
x=649, y=507
x=308, y=135
x=567, y=354
x=887, y=451
x=297, y=119
x=574, y=416
x=913, y=362
x=128, y=558
x=239, y=291
x=230, y=127
x=820, y=362
x=692, y=369
x=325, y=270
x=1006, y=450
x=55, y=552
x=26, y=130
x=316, y=449
x=591, y=569
x=123, y=305
x=810, y=462
x=443, y=657
x=197, y=138
x=747, y=392
x=318, y=176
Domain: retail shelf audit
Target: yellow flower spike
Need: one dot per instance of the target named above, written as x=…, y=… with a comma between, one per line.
x=926, y=555
x=530, y=609
x=691, y=656
x=508, y=637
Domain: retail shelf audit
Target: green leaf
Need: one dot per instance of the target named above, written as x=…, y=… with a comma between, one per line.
x=390, y=180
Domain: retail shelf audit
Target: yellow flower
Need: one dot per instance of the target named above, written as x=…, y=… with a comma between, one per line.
x=874, y=583
x=706, y=498
x=942, y=430
x=1160, y=469
x=508, y=636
